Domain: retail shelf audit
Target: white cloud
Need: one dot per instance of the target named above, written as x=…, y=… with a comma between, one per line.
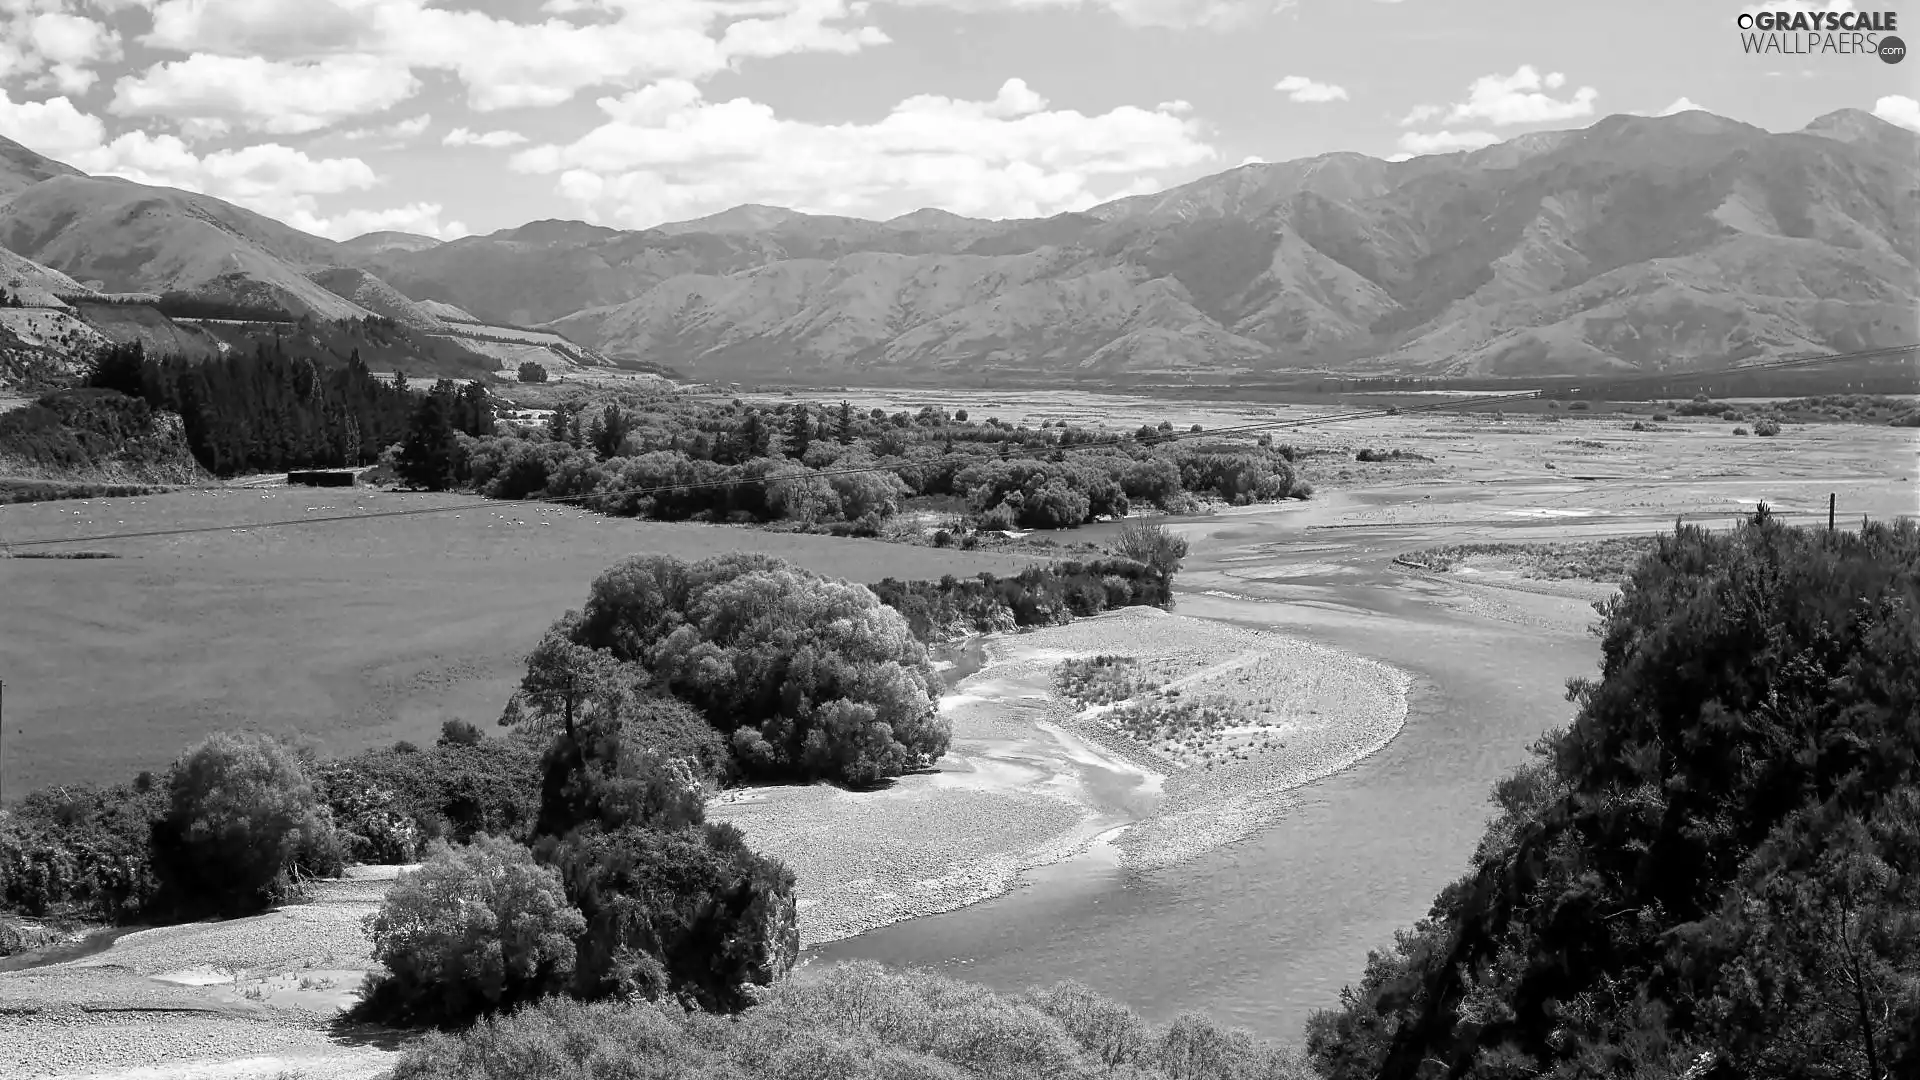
x=53, y=127
x=1253, y=159
x=1516, y=99
x=210, y=94
x=508, y=64
x=491, y=139
x=1680, y=105
x=1420, y=114
x=51, y=47
x=420, y=217
x=1302, y=89
x=1415, y=143
x=1898, y=109
x=665, y=153
x=1168, y=14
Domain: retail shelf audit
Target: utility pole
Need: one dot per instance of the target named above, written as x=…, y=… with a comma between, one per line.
x=1830, y=496
x=3, y=744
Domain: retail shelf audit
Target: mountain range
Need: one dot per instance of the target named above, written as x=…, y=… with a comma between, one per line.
x=1635, y=244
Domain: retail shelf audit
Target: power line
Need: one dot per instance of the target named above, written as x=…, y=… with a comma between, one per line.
x=1098, y=444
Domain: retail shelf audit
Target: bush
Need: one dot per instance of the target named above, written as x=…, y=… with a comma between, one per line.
x=1579, y=406
x=691, y=912
x=1766, y=426
x=857, y=1021
x=1661, y=418
x=808, y=677
x=388, y=804
x=459, y=733
x=81, y=852
x=1731, y=812
x=475, y=930
x=1739, y=431
x=1153, y=544
x=242, y=822
x=531, y=372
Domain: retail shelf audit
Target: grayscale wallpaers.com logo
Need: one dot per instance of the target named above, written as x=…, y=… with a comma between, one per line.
x=1809, y=33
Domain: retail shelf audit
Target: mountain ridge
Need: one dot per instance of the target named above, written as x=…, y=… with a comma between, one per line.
x=1635, y=243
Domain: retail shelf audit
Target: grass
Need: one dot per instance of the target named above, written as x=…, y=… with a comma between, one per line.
x=1595, y=560
x=354, y=633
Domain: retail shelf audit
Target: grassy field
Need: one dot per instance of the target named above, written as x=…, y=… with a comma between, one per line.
x=354, y=633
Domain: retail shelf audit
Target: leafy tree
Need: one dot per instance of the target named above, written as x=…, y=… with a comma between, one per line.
x=459, y=733
x=476, y=929
x=531, y=372
x=426, y=458
x=242, y=819
x=1712, y=869
x=808, y=677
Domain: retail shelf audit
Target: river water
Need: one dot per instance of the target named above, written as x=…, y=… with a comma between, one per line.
x=1260, y=933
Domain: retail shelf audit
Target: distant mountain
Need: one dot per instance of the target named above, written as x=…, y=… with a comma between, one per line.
x=374, y=243
x=1637, y=243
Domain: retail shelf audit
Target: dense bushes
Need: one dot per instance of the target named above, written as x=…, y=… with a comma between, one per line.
x=82, y=430
x=807, y=677
x=856, y=1021
x=387, y=805
x=242, y=820
x=1039, y=596
x=1715, y=869
x=672, y=458
x=81, y=852
x=475, y=929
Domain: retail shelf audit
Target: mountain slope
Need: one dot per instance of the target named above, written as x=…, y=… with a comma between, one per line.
x=21, y=168
x=1639, y=243
x=130, y=237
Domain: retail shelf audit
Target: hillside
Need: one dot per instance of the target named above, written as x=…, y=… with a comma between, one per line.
x=1657, y=243
x=21, y=168
x=129, y=237
x=1638, y=243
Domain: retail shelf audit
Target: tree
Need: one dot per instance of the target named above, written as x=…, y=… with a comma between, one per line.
x=808, y=677
x=843, y=429
x=242, y=817
x=1712, y=870
x=426, y=458
x=475, y=930
x=531, y=372
x=799, y=431
x=614, y=425
x=122, y=367
x=459, y=733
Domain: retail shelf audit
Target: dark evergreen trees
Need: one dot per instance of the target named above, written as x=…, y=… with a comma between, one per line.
x=799, y=432
x=426, y=458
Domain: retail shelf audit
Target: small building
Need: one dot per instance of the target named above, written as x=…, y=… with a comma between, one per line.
x=322, y=478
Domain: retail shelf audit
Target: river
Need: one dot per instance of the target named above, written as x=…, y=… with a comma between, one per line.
x=1261, y=933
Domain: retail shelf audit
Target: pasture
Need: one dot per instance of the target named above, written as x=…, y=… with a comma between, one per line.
x=352, y=633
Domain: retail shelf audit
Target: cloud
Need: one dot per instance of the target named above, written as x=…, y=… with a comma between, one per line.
x=1302, y=89
x=420, y=217
x=1680, y=105
x=1164, y=14
x=54, y=127
x=55, y=48
x=1420, y=114
x=665, y=152
x=1516, y=99
x=1415, y=143
x=508, y=64
x=1898, y=109
x=1253, y=159
x=211, y=94
x=491, y=139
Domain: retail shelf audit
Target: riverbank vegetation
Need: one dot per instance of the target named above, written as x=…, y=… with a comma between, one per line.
x=1714, y=870
x=1610, y=559
x=857, y=1021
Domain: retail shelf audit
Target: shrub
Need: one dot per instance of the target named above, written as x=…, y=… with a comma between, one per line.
x=808, y=677
x=1739, y=431
x=691, y=912
x=1661, y=418
x=242, y=821
x=81, y=852
x=1766, y=426
x=459, y=733
x=1579, y=406
x=1153, y=544
x=1737, y=791
x=531, y=372
x=476, y=929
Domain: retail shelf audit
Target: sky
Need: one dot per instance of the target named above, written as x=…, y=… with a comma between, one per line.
x=451, y=117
